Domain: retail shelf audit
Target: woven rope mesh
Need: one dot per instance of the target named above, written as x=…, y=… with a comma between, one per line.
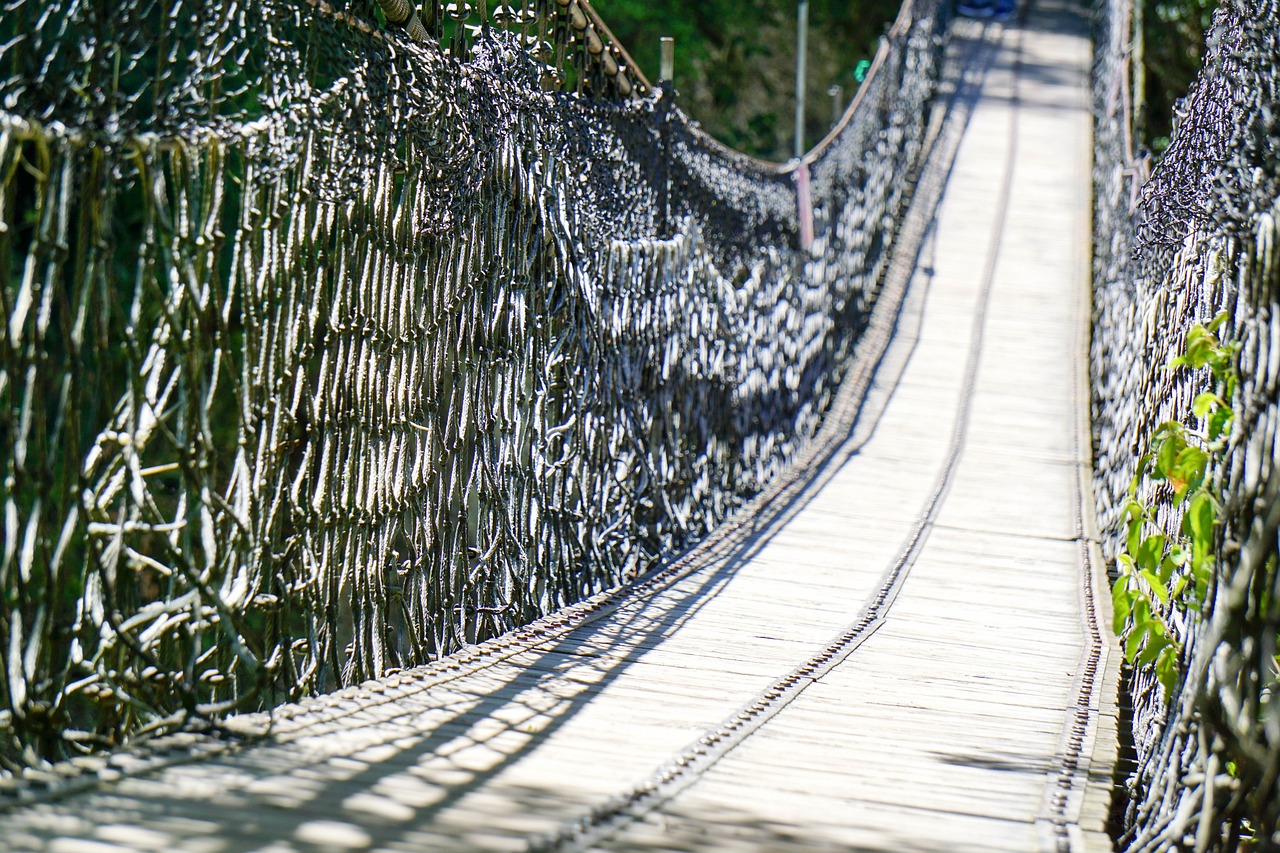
x=1198, y=238
x=328, y=351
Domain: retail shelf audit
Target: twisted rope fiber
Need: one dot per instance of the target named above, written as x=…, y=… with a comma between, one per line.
x=329, y=353
x=1198, y=238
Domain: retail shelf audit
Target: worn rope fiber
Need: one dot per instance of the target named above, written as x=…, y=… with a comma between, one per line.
x=328, y=351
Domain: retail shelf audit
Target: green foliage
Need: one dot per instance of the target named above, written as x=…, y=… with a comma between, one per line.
x=1160, y=575
x=735, y=60
x=1173, y=32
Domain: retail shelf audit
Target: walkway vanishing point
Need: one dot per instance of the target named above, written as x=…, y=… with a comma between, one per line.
x=902, y=648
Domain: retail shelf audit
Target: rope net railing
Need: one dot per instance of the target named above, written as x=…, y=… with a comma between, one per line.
x=328, y=351
x=1197, y=239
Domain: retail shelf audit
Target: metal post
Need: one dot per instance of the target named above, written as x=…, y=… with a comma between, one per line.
x=667, y=67
x=837, y=102
x=802, y=44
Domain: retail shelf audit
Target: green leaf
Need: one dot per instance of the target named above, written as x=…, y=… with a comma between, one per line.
x=1140, y=618
x=1156, y=643
x=1220, y=318
x=1198, y=521
x=1121, y=605
x=1202, y=346
x=1132, y=644
x=1148, y=555
x=1157, y=586
x=1190, y=459
x=1187, y=471
x=1202, y=589
x=1135, y=511
x=1168, y=443
x=1167, y=669
x=1200, y=350
x=1125, y=564
x=1133, y=539
x=1204, y=403
x=1219, y=421
x=1140, y=471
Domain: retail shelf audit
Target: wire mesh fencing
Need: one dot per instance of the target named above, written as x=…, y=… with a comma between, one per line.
x=329, y=348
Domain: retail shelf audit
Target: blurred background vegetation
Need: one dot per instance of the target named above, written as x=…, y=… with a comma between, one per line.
x=736, y=59
x=1172, y=45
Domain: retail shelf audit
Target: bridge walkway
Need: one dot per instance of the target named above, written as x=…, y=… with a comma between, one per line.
x=901, y=647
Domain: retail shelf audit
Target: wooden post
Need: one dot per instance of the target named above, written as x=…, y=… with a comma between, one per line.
x=667, y=67
x=837, y=102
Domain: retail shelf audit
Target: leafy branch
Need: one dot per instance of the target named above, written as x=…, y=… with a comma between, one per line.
x=1160, y=574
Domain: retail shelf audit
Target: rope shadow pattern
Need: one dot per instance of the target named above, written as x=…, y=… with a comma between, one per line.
x=1196, y=239
x=328, y=352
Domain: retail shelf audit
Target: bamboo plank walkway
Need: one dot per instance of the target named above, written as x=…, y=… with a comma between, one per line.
x=968, y=706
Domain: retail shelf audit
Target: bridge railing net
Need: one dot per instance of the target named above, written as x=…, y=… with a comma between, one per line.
x=328, y=352
x=1199, y=237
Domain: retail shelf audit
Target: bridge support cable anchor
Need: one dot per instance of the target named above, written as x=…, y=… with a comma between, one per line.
x=687, y=766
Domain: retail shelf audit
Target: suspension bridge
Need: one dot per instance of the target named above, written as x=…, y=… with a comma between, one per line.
x=850, y=662
x=406, y=453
